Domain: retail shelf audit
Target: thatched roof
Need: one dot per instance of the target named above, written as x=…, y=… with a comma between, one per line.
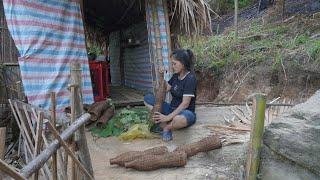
x=190, y=16
x=103, y=17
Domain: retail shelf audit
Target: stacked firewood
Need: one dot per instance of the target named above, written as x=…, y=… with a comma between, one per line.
x=101, y=112
x=160, y=157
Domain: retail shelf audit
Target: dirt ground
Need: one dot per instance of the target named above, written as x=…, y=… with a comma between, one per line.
x=224, y=163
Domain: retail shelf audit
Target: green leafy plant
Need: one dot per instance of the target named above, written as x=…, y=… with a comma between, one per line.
x=122, y=121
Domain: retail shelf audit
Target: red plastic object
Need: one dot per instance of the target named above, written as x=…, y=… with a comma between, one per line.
x=100, y=79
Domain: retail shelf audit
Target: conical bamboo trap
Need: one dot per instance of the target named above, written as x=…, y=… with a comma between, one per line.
x=160, y=157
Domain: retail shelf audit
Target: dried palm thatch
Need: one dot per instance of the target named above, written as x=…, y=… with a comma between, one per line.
x=190, y=16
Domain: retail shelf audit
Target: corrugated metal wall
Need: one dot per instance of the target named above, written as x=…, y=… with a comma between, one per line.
x=114, y=54
x=137, y=66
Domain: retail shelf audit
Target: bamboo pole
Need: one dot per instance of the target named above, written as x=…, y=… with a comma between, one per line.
x=53, y=120
x=10, y=171
x=160, y=91
x=227, y=128
x=257, y=128
x=169, y=43
x=84, y=153
x=236, y=8
x=38, y=140
x=40, y=160
x=241, y=104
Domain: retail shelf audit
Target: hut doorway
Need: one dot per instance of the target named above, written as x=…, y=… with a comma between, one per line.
x=122, y=25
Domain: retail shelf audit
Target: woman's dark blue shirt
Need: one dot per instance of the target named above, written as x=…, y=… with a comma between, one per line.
x=185, y=87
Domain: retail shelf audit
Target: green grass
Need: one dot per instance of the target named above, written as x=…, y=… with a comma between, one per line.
x=218, y=52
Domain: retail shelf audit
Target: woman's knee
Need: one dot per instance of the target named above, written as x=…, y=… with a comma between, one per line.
x=149, y=99
x=179, y=122
x=189, y=116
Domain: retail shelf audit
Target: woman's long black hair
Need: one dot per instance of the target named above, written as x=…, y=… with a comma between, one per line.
x=185, y=57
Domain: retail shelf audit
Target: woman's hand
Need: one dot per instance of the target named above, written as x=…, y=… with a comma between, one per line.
x=158, y=118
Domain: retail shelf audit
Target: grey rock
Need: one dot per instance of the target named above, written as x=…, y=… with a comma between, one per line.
x=294, y=140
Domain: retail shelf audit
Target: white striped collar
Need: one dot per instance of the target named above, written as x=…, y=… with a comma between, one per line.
x=184, y=76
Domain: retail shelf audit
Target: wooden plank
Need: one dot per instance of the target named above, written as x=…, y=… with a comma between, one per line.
x=29, y=122
x=73, y=118
x=61, y=117
x=29, y=149
x=19, y=125
x=10, y=171
x=69, y=151
x=26, y=129
x=2, y=142
x=38, y=140
x=53, y=120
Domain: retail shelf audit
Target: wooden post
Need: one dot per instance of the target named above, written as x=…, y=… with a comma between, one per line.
x=73, y=143
x=80, y=136
x=236, y=7
x=9, y=171
x=257, y=128
x=53, y=120
x=38, y=141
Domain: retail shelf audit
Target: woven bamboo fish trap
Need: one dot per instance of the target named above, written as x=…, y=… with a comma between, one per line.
x=132, y=155
x=153, y=162
x=204, y=145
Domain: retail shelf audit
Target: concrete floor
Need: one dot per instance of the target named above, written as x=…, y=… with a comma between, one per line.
x=224, y=163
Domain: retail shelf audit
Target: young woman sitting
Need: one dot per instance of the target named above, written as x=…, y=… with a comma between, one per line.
x=180, y=113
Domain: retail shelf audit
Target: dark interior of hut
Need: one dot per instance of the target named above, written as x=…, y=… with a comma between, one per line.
x=101, y=19
x=109, y=16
